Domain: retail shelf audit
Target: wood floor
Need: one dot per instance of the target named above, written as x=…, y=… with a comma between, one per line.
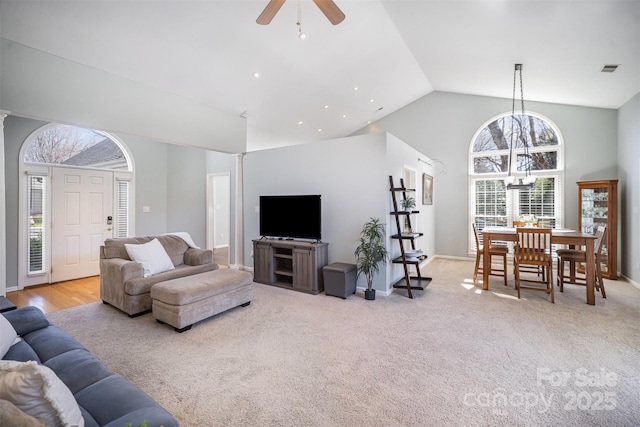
x=58, y=296
x=63, y=295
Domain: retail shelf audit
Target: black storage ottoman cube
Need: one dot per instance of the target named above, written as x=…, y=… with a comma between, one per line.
x=339, y=279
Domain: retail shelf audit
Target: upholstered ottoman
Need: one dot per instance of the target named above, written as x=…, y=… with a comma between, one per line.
x=184, y=301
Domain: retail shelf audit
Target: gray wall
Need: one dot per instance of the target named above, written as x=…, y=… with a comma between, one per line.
x=442, y=125
x=628, y=170
x=16, y=130
x=351, y=174
x=150, y=159
x=186, y=192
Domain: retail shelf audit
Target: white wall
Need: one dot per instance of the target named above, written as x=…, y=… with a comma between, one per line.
x=351, y=174
x=42, y=86
x=442, y=125
x=399, y=156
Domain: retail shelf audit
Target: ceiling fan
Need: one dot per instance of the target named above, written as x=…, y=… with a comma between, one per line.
x=328, y=7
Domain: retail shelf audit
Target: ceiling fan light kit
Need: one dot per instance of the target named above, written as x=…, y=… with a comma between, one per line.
x=327, y=7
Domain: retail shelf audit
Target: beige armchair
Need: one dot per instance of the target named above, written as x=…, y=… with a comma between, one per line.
x=122, y=283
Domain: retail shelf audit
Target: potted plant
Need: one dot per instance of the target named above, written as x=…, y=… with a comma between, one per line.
x=407, y=204
x=370, y=253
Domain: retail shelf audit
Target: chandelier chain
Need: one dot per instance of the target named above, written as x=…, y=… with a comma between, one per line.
x=522, y=134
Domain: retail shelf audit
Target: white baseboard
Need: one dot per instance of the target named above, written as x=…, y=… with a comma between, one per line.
x=636, y=284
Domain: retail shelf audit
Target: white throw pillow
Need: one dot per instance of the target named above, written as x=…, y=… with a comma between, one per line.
x=151, y=255
x=8, y=336
x=36, y=390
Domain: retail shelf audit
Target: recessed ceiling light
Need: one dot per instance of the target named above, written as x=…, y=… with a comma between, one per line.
x=344, y=116
x=326, y=106
x=256, y=75
x=320, y=130
x=355, y=88
x=371, y=100
x=300, y=122
x=609, y=68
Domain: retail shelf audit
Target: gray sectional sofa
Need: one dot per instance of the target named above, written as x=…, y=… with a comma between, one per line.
x=104, y=398
x=122, y=283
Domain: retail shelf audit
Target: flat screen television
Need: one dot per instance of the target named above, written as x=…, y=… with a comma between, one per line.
x=291, y=217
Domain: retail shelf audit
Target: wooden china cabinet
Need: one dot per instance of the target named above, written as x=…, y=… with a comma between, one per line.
x=598, y=205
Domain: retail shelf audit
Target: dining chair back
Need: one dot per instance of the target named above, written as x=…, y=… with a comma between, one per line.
x=575, y=256
x=540, y=271
x=494, y=250
x=533, y=248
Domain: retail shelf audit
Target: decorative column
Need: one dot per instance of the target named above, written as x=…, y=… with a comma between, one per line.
x=239, y=217
x=3, y=211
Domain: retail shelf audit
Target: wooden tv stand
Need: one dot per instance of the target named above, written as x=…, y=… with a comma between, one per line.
x=290, y=264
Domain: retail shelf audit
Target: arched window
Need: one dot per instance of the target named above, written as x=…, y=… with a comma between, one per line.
x=524, y=142
x=74, y=146
x=56, y=147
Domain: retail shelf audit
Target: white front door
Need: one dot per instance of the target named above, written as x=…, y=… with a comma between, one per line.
x=82, y=201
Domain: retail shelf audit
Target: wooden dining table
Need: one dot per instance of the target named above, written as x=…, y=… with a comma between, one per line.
x=558, y=236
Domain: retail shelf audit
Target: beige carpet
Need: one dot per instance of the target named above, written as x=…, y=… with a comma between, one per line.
x=454, y=355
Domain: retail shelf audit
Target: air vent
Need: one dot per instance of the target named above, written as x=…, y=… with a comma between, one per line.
x=609, y=68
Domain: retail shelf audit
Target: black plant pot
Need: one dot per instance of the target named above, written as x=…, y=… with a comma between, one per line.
x=370, y=294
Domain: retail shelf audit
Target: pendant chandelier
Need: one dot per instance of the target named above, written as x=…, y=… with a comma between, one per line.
x=519, y=127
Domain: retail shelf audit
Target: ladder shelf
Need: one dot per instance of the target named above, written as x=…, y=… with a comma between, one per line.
x=408, y=282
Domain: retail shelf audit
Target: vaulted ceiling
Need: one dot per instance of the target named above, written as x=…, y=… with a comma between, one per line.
x=383, y=56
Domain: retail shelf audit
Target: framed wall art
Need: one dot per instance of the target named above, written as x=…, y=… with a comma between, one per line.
x=427, y=189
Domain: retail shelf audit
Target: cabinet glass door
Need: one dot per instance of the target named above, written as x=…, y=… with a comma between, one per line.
x=595, y=212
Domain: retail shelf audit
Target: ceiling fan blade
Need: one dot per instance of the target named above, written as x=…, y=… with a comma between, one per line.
x=270, y=11
x=330, y=10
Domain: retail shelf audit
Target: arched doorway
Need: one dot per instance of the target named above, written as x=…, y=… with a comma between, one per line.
x=75, y=191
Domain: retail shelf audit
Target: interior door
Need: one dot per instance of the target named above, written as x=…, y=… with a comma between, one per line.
x=82, y=208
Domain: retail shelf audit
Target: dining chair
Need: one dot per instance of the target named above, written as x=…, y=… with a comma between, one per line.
x=494, y=250
x=575, y=256
x=533, y=248
x=528, y=268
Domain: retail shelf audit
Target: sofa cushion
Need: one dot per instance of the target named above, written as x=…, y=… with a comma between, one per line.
x=22, y=352
x=51, y=342
x=78, y=369
x=26, y=320
x=175, y=247
x=36, y=390
x=143, y=285
x=125, y=404
x=152, y=256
